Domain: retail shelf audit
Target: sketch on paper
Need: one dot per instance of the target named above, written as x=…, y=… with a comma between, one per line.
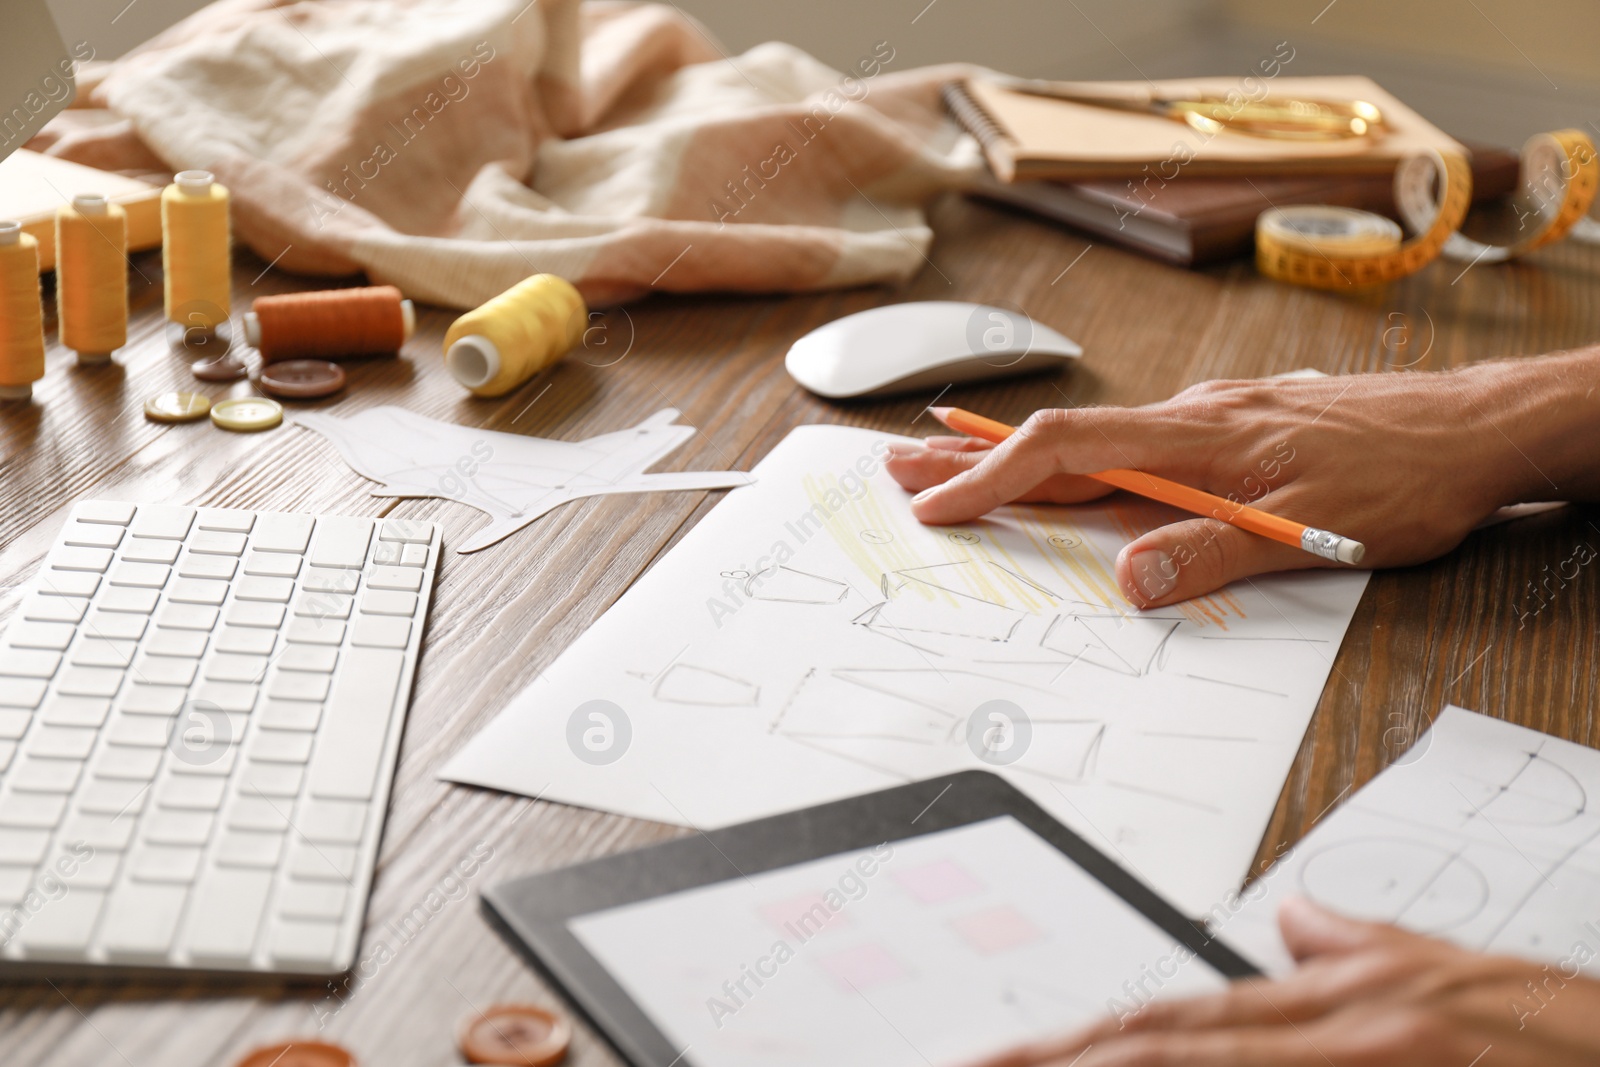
x=511, y=477
x=809, y=639
x=1482, y=834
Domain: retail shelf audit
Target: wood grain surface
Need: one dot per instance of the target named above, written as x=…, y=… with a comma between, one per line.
x=1422, y=637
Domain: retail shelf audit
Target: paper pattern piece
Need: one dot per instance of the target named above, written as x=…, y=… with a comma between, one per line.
x=933, y=950
x=810, y=640
x=512, y=477
x=1485, y=833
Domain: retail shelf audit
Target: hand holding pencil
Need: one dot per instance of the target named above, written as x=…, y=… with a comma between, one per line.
x=1403, y=463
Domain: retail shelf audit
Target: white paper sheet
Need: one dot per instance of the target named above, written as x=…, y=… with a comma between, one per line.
x=1485, y=833
x=511, y=477
x=928, y=951
x=810, y=640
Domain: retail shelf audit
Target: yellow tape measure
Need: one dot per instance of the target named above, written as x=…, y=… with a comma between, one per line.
x=1342, y=248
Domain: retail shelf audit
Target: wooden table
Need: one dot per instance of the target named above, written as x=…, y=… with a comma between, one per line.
x=1444, y=632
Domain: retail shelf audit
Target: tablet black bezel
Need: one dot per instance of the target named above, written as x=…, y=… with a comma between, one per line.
x=533, y=912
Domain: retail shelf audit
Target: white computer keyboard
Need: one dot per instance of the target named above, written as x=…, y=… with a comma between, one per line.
x=200, y=713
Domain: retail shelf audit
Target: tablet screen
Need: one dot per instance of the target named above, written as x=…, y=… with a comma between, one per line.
x=930, y=950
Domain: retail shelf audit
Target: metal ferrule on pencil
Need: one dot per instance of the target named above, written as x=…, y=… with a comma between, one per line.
x=1332, y=546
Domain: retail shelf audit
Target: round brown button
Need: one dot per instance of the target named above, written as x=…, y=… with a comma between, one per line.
x=302, y=379
x=221, y=369
x=523, y=1035
x=299, y=1054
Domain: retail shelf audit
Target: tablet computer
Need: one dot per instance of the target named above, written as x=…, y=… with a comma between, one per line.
x=922, y=925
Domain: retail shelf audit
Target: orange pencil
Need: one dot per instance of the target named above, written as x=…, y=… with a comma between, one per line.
x=1317, y=542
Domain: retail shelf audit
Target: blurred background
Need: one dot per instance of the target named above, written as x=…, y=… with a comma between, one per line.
x=1488, y=70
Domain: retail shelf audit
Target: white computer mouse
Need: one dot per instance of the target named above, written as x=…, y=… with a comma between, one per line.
x=931, y=343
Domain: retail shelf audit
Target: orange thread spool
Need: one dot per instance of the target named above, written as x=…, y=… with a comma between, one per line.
x=332, y=324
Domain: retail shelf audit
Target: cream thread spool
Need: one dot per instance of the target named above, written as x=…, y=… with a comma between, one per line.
x=197, y=257
x=92, y=277
x=495, y=348
x=21, y=313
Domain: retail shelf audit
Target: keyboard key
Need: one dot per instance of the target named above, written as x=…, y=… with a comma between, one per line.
x=389, y=602
x=322, y=863
x=113, y=512
x=409, y=531
x=26, y=692
x=230, y=520
x=23, y=847
x=35, y=774
x=191, y=794
x=113, y=796
x=127, y=762
x=226, y=913
x=243, y=848
x=273, y=590
x=315, y=631
x=272, y=565
x=259, y=813
x=103, y=652
x=140, y=731
x=128, y=599
x=312, y=900
x=308, y=944
x=14, y=722
x=61, y=742
x=190, y=644
x=75, y=711
x=318, y=658
x=55, y=636
x=145, y=550
x=111, y=833
x=197, y=591
x=405, y=579
x=219, y=568
x=8, y=751
x=321, y=605
x=84, y=867
x=216, y=543
x=297, y=685
x=164, y=827
x=214, y=760
x=91, y=535
x=338, y=822
x=226, y=696
x=323, y=580
x=62, y=929
x=15, y=882
x=380, y=631
x=89, y=681
x=141, y=699
x=182, y=616
x=226, y=667
x=140, y=575
x=39, y=811
x=272, y=779
x=288, y=714
x=164, y=863
x=42, y=608
x=72, y=558
x=142, y=919
x=167, y=522
x=387, y=553
x=28, y=662
x=414, y=556
x=68, y=583
x=357, y=724
x=165, y=670
x=255, y=613
x=281, y=533
x=244, y=641
x=115, y=627
x=341, y=541
x=280, y=746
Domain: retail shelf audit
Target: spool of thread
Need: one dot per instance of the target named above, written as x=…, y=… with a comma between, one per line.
x=196, y=253
x=495, y=348
x=92, y=277
x=330, y=325
x=21, y=313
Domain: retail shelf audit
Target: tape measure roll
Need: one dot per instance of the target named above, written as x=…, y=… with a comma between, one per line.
x=1559, y=177
x=1342, y=248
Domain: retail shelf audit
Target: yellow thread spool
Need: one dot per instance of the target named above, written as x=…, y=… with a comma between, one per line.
x=21, y=313
x=92, y=277
x=196, y=253
x=495, y=348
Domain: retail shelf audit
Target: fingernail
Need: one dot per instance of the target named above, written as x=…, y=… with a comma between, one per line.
x=1153, y=573
x=898, y=449
x=925, y=494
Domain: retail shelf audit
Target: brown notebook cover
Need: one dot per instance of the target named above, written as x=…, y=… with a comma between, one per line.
x=1031, y=137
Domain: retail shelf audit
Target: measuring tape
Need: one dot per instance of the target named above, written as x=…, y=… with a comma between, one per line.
x=1343, y=248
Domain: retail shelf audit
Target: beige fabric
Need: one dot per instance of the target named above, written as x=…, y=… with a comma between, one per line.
x=453, y=147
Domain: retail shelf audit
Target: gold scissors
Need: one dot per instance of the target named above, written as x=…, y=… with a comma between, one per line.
x=1281, y=118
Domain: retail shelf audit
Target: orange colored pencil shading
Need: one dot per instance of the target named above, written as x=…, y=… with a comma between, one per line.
x=1309, y=538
